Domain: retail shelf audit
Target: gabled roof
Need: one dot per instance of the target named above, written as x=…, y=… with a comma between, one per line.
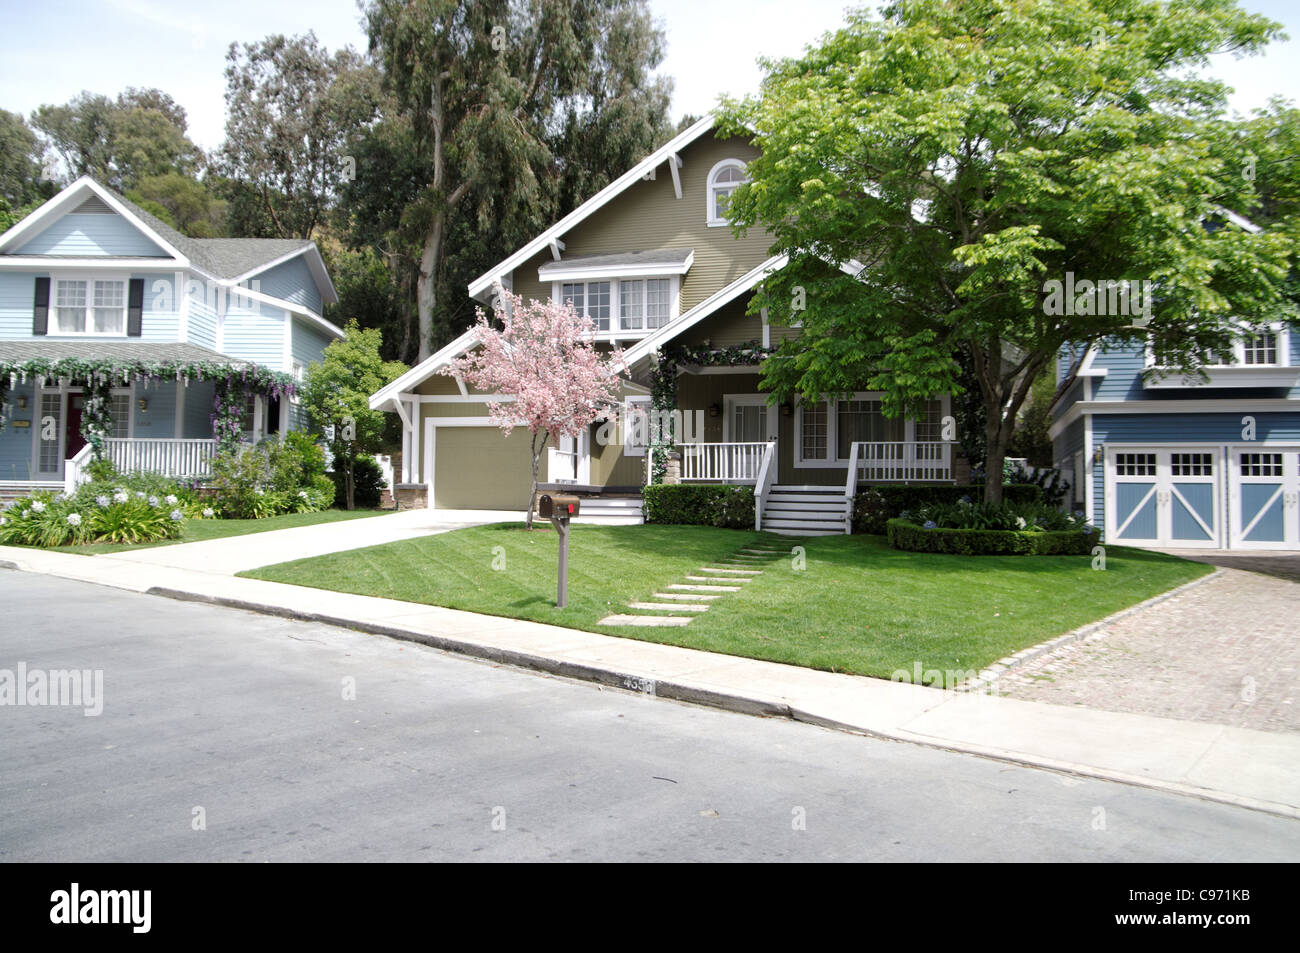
x=226, y=259
x=424, y=370
x=484, y=282
x=163, y=351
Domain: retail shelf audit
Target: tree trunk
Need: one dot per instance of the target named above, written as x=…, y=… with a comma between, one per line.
x=426, y=289
x=995, y=453
x=537, y=459
x=350, y=484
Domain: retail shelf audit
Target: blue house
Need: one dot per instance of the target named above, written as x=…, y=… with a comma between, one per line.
x=1161, y=459
x=96, y=294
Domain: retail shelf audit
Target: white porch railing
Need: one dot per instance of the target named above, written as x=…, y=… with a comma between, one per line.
x=763, y=485
x=172, y=458
x=722, y=462
x=897, y=461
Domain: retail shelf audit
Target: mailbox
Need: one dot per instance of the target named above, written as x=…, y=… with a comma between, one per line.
x=553, y=506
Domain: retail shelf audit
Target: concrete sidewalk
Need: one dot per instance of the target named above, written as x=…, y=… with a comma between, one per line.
x=1260, y=770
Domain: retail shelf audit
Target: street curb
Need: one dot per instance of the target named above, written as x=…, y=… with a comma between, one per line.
x=748, y=704
x=988, y=678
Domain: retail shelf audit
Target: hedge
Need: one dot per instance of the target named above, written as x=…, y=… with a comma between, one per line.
x=874, y=506
x=704, y=504
x=906, y=535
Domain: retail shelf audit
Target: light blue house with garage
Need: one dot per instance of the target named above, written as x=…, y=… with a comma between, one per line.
x=91, y=284
x=1165, y=460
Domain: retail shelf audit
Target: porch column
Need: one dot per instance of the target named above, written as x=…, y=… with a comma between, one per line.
x=178, y=430
x=416, y=463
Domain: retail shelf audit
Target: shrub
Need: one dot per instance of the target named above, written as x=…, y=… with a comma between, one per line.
x=874, y=506
x=101, y=470
x=117, y=515
x=915, y=533
x=239, y=483
x=703, y=504
x=369, y=484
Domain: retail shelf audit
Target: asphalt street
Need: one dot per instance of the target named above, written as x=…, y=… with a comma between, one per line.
x=231, y=736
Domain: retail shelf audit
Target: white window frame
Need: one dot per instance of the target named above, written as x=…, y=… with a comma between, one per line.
x=52, y=325
x=616, y=332
x=832, y=429
x=712, y=220
x=1280, y=329
x=731, y=401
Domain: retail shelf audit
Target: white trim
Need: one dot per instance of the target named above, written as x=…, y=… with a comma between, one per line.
x=1089, y=514
x=424, y=370
x=30, y=223
x=695, y=315
x=710, y=219
x=297, y=310
x=53, y=264
x=124, y=278
x=674, y=165
x=602, y=198
x=1082, y=407
x=767, y=328
x=316, y=265
x=575, y=271
x=461, y=398
x=286, y=355
x=731, y=401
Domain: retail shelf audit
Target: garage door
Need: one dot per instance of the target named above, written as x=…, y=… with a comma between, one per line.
x=1265, y=498
x=1164, y=497
x=477, y=468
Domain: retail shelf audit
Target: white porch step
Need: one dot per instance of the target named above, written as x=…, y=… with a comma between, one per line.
x=838, y=507
x=803, y=527
x=836, y=499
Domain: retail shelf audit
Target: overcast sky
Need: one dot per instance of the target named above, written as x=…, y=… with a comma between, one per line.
x=57, y=48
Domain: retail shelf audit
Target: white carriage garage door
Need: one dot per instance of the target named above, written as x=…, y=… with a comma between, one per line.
x=1164, y=496
x=1264, y=497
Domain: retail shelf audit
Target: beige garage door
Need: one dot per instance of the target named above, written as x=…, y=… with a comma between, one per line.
x=477, y=468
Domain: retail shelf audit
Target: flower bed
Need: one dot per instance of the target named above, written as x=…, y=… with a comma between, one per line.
x=96, y=513
x=969, y=529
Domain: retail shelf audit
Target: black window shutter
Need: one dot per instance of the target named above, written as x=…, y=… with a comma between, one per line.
x=135, y=308
x=41, y=307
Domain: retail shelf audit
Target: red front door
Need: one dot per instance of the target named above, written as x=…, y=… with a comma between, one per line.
x=73, y=439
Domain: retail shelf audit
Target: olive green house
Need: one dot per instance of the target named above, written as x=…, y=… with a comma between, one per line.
x=651, y=261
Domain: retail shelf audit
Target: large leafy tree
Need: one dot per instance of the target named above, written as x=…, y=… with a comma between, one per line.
x=121, y=142
x=499, y=115
x=292, y=108
x=930, y=172
x=337, y=392
x=20, y=155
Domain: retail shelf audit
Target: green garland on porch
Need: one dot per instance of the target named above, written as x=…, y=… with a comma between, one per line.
x=663, y=385
x=98, y=376
x=97, y=415
x=228, y=402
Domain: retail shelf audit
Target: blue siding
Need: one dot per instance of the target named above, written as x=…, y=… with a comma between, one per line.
x=308, y=344
x=291, y=281
x=17, y=295
x=92, y=235
x=202, y=321
x=255, y=337
x=161, y=320
x=16, y=443
x=197, y=421
x=159, y=421
x=1125, y=364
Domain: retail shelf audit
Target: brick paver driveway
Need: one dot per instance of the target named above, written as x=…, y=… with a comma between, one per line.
x=1226, y=651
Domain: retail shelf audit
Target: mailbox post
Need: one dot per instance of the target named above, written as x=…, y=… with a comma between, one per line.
x=559, y=508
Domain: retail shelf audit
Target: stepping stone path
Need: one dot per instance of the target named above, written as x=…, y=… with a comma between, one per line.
x=695, y=596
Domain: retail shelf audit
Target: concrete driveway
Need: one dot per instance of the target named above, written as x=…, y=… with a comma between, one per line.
x=238, y=553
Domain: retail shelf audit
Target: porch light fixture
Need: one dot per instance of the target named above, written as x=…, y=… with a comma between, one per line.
x=715, y=410
x=22, y=401
x=1098, y=454
x=144, y=404
x=787, y=409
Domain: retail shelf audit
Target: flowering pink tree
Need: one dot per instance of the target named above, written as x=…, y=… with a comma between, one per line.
x=544, y=356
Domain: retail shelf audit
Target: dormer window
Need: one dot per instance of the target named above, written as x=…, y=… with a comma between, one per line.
x=89, y=306
x=1260, y=348
x=724, y=179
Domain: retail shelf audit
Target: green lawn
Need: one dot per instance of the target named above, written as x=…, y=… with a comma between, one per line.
x=858, y=607
x=195, y=531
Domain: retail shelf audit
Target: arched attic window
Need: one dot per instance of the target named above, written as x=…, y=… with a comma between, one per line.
x=723, y=180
